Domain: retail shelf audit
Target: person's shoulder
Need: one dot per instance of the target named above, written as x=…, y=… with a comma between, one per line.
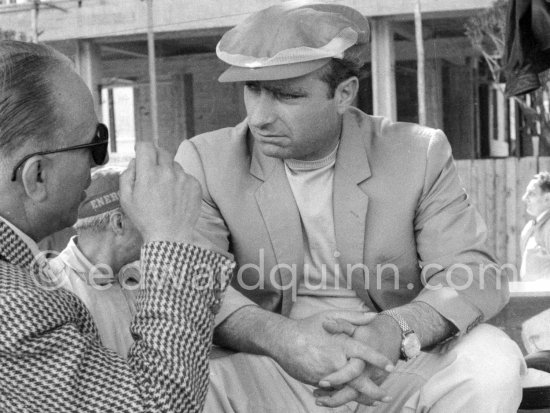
x=20, y=289
x=217, y=150
x=409, y=132
x=380, y=127
x=220, y=138
x=41, y=305
x=12, y=278
x=383, y=134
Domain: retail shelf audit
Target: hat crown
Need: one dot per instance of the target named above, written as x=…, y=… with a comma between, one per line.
x=276, y=32
x=293, y=32
x=102, y=194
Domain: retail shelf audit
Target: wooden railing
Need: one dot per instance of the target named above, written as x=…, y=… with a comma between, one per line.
x=496, y=187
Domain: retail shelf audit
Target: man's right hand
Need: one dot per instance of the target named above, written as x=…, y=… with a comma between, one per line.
x=162, y=201
x=311, y=351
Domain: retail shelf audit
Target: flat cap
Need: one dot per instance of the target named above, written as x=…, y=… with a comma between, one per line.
x=103, y=193
x=292, y=39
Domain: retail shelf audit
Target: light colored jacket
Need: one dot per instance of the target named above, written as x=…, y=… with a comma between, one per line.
x=398, y=204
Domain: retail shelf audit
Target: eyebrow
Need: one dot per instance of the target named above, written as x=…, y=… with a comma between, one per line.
x=281, y=89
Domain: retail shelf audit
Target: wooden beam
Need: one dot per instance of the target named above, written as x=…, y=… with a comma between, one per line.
x=88, y=65
x=451, y=49
x=112, y=18
x=407, y=31
x=112, y=120
x=454, y=49
x=420, y=64
x=152, y=72
x=122, y=51
x=166, y=35
x=383, y=69
x=434, y=93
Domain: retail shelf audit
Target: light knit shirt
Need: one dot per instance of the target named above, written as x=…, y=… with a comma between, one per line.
x=323, y=285
x=535, y=249
x=111, y=306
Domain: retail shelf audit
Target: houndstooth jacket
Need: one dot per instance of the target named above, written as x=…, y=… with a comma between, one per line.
x=51, y=359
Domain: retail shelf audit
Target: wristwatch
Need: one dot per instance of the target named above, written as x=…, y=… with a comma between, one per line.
x=410, y=344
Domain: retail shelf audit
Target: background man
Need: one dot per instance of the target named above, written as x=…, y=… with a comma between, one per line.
x=51, y=358
x=325, y=207
x=90, y=264
x=535, y=236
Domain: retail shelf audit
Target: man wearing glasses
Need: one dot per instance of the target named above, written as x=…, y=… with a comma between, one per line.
x=51, y=358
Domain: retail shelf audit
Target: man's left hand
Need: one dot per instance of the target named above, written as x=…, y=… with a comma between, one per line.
x=355, y=381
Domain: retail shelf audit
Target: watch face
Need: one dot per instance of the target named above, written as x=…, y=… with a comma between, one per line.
x=410, y=346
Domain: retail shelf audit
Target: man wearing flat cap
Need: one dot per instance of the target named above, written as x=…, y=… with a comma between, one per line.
x=362, y=265
x=98, y=264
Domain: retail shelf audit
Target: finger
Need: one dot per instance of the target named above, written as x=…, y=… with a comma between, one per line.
x=127, y=180
x=361, y=389
x=360, y=354
x=339, y=327
x=368, y=390
x=338, y=398
x=164, y=158
x=355, y=317
x=353, y=369
x=146, y=156
x=357, y=349
x=329, y=391
x=320, y=395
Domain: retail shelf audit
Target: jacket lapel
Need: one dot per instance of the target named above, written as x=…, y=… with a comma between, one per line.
x=281, y=216
x=349, y=200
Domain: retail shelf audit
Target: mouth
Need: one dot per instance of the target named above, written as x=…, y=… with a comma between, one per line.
x=270, y=138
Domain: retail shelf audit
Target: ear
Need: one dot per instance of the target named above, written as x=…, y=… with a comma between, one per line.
x=117, y=223
x=345, y=94
x=35, y=178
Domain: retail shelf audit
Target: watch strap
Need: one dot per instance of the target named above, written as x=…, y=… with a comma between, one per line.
x=405, y=329
x=408, y=336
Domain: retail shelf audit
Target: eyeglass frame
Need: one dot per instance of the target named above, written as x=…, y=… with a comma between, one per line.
x=70, y=148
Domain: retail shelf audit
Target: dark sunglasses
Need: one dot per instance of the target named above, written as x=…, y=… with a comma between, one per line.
x=98, y=147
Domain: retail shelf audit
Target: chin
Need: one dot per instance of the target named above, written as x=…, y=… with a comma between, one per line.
x=276, y=152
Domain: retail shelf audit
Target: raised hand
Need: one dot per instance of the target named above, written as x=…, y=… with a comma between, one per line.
x=162, y=200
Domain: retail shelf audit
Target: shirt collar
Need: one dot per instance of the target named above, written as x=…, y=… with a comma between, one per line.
x=73, y=257
x=298, y=165
x=541, y=216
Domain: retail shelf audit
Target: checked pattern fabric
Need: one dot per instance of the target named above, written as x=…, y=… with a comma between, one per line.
x=51, y=359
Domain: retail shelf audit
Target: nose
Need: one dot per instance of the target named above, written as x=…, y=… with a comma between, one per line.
x=524, y=198
x=260, y=110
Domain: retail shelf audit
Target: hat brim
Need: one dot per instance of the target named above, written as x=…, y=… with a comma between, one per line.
x=279, y=72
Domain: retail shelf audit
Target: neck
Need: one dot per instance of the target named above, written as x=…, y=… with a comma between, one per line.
x=331, y=145
x=99, y=249
x=16, y=217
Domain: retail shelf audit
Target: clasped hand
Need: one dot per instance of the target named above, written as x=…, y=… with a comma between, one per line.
x=324, y=351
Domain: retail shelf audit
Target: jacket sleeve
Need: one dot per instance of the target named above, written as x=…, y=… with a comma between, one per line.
x=461, y=280
x=51, y=359
x=211, y=230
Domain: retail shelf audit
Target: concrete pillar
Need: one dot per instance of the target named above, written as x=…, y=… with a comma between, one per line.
x=383, y=69
x=88, y=65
